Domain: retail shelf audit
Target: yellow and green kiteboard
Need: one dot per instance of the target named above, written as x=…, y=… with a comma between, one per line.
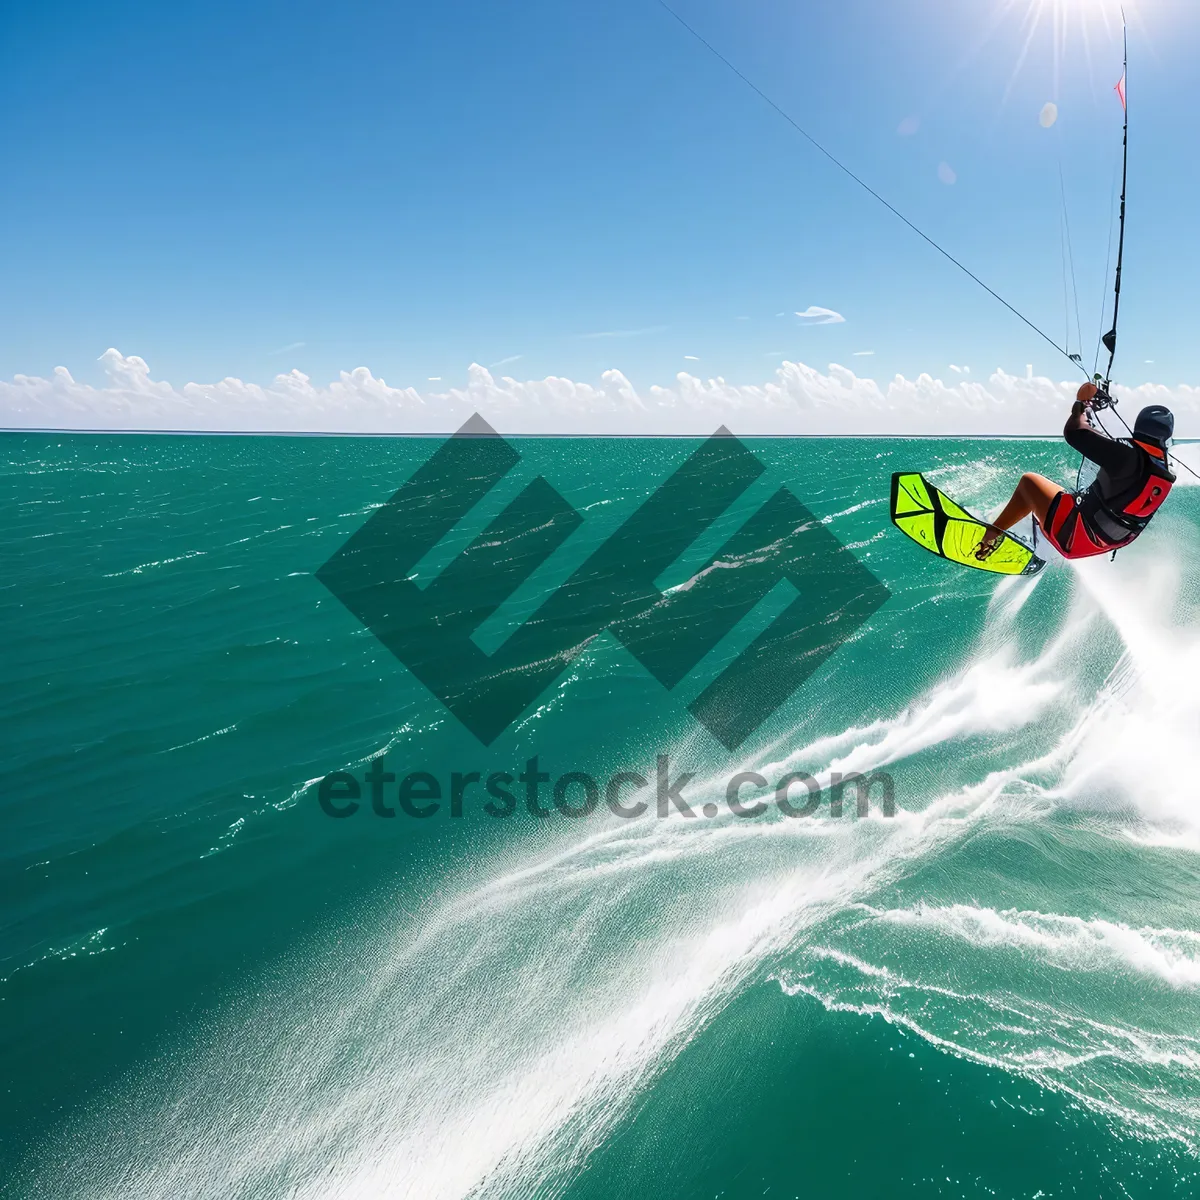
x=934, y=521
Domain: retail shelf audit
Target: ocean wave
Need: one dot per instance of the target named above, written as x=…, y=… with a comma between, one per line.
x=1071, y=943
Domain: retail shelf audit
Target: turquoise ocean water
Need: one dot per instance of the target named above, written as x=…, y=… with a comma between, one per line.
x=209, y=988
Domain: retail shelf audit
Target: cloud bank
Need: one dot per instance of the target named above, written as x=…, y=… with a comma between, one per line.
x=798, y=400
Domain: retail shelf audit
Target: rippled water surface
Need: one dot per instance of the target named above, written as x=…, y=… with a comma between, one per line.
x=209, y=988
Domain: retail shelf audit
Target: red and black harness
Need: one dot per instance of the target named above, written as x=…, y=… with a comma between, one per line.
x=1071, y=524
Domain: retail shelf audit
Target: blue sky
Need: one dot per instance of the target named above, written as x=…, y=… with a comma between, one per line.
x=239, y=190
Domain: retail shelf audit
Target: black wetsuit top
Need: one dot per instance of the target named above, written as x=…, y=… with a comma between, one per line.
x=1120, y=466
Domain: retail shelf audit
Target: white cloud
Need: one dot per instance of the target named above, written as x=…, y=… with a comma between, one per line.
x=512, y=358
x=797, y=399
x=947, y=174
x=863, y=353
x=1048, y=115
x=691, y=358
x=957, y=370
x=288, y=348
x=814, y=314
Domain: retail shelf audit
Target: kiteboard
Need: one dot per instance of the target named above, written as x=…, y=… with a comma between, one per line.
x=946, y=529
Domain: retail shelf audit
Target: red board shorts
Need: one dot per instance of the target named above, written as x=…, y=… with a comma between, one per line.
x=1067, y=531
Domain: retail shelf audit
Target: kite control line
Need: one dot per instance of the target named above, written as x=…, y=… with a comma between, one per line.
x=1104, y=398
x=1110, y=338
x=841, y=166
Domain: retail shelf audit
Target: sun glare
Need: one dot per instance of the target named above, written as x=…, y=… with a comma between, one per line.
x=1073, y=24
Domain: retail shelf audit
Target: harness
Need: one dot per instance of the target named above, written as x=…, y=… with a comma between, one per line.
x=1099, y=520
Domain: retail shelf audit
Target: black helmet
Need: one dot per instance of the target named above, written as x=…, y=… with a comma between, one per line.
x=1154, y=424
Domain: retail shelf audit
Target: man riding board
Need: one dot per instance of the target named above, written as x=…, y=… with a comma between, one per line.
x=1132, y=484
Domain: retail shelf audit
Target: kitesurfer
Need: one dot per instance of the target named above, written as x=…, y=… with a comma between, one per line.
x=1134, y=480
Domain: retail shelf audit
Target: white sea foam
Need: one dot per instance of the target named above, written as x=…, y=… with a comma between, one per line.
x=994, y=693
x=1145, y=1079
x=1137, y=745
x=439, y=1068
x=1124, y=767
x=1171, y=955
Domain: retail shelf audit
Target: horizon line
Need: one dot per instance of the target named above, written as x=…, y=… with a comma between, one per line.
x=307, y=433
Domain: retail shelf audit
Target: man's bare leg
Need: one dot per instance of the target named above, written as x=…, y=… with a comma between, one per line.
x=1033, y=494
